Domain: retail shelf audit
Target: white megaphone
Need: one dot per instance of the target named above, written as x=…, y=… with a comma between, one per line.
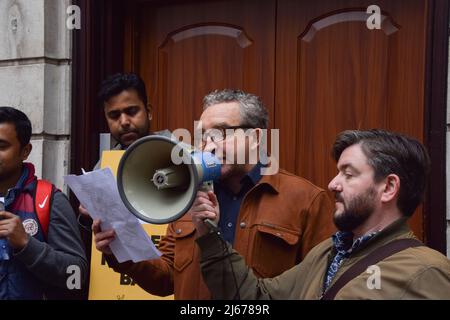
x=158, y=178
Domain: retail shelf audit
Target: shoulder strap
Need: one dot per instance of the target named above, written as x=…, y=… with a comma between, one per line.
x=377, y=255
x=42, y=203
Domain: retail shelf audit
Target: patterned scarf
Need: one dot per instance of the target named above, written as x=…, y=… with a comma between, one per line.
x=344, y=246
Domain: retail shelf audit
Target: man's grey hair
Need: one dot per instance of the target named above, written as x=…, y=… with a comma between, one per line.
x=253, y=112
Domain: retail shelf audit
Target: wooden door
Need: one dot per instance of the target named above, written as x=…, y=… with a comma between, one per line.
x=188, y=49
x=315, y=64
x=333, y=74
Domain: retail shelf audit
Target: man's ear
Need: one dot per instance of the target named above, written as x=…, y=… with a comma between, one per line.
x=391, y=188
x=149, y=112
x=26, y=151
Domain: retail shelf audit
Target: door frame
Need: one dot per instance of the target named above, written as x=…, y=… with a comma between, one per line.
x=435, y=126
x=96, y=54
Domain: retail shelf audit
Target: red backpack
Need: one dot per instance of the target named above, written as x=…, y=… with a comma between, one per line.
x=43, y=198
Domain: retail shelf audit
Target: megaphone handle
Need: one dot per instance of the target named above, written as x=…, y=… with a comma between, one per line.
x=209, y=186
x=2, y=208
x=211, y=224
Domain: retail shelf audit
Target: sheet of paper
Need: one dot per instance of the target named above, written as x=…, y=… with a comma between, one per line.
x=97, y=192
x=111, y=159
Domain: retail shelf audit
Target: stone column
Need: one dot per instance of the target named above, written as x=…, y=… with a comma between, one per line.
x=35, y=77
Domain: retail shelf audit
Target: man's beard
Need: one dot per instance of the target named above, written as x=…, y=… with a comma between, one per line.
x=139, y=134
x=356, y=211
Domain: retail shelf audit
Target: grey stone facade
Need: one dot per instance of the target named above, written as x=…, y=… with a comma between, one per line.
x=35, y=77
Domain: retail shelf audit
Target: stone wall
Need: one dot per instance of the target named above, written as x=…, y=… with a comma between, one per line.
x=35, y=77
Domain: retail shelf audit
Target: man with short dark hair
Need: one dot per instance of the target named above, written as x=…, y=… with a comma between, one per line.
x=36, y=257
x=124, y=99
x=380, y=182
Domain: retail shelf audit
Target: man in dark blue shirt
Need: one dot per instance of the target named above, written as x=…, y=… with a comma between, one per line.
x=230, y=202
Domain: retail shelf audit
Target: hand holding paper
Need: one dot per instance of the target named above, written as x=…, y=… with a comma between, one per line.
x=97, y=192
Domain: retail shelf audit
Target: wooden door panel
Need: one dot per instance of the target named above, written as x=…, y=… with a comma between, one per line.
x=188, y=68
x=189, y=49
x=333, y=73
x=337, y=91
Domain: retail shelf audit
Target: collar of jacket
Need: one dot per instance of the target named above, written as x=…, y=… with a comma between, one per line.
x=270, y=181
x=399, y=229
x=26, y=177
x=25, y=183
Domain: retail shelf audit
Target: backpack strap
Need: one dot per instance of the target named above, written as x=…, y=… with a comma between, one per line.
x=374, y=257
x=43, y=197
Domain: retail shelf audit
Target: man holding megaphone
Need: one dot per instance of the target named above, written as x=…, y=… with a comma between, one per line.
x=272, y=220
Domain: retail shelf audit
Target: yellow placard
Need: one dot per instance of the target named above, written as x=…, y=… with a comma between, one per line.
x=105, y=283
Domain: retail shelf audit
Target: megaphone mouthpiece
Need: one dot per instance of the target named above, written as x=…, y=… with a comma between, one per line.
x=170, y=177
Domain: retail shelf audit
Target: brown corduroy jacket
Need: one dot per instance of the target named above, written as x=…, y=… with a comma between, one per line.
x=280, y=220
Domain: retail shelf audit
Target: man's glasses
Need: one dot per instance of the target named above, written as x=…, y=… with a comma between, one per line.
x=219, y=134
